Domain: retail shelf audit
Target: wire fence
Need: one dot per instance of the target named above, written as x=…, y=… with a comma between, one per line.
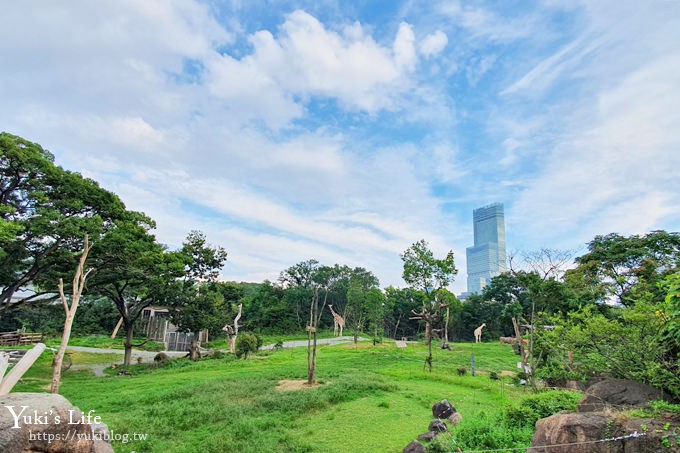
x=634, y=435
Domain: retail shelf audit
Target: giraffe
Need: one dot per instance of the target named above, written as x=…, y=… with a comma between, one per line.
x=338, y=321
x=478, y=333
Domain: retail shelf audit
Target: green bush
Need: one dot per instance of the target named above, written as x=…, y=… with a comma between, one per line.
x=480, y=432
x=245, y=344
x=527, y=411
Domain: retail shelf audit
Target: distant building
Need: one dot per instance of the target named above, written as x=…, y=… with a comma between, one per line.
x=487, y=258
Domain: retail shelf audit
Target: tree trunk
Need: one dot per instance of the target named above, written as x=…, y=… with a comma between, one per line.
x=127, y=359
x=78, y=286
x=428, y=332
x=65, y=336
x=312, y=369
x=194, y=354
x=446, y=327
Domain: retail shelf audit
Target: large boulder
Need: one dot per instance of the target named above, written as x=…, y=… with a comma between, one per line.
x=618, y=394
x=47, y=423
x=573, y=428
x=592, y=432
x=443, y=409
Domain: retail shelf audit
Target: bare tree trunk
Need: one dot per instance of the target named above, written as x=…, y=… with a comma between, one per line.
x=115, y=329
x=78, y=286
x=446, y=328
x=311, y=330
x=232, y=339
x=194, y=354
x=314, y=318
x=428, y=341
x=428, y=332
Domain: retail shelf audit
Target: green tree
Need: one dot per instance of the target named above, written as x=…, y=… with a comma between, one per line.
x=197, y=303
x=360, y=295
x=626, y=269
x=44, y=213
x=133, y=271
x=424, y=272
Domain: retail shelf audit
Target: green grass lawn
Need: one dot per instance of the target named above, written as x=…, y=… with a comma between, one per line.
x=370, y=399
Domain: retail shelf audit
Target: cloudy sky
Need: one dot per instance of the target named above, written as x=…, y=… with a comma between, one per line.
x=347, y=130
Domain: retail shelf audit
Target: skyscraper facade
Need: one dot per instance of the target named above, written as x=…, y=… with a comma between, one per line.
x=488, y=257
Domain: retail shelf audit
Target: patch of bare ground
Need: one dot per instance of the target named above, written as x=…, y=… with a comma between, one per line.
x=289, y=386
x=507, y=373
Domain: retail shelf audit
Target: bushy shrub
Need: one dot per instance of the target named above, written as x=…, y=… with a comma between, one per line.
x=480, y=432
x=527, y=411
x=245, y=344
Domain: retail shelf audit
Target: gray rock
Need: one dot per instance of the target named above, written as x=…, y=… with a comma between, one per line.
x=437, y=426
x=414, y=447
x=583, y=432
x=455, y=418
x=443, y=409
x=428, y=436
x=618, y=393
x=53, y=427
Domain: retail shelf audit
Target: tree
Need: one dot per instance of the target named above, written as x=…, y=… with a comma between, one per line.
x=624, y=269
x=424, y=272
x=399, y=304
x=197, y=303
x=133, y=271
x=297, y=280
x=375, y=312
x=360, y=295
x=78, y=285
x=44, y=213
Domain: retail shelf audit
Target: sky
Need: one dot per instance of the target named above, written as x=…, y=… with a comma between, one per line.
x=345, y=131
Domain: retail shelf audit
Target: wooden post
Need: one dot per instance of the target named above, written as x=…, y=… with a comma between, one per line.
x=20, y=368
x=115, y=330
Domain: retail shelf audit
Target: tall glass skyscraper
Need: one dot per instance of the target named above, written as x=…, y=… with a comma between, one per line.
x=487, y=258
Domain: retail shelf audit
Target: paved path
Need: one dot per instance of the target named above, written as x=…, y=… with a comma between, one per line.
x=135, y=352
x=98, y=369
x=331, y=341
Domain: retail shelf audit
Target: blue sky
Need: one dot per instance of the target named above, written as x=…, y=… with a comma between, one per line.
x=346, y=131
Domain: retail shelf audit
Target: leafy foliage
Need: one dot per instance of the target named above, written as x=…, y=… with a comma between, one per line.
x=44, y=213
x=246, y=343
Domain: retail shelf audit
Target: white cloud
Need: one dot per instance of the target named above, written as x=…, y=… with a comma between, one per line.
x=434, y=43
x=612, y=172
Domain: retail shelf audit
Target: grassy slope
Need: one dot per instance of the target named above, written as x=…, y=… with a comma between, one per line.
x=372, y=399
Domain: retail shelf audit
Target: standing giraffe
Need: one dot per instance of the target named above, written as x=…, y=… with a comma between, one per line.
x=478, y=333
x=338, y=321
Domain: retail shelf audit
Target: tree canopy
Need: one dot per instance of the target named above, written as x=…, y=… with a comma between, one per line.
x=44, y=213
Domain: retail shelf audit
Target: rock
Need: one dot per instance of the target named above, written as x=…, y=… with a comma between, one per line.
x=443, y=409
x=455, y=418
x=572, y=428
x=437, y=426
x=562, y=433
x=54, y=430
x=414, y=447
x=428, y=436
x=618, y=393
